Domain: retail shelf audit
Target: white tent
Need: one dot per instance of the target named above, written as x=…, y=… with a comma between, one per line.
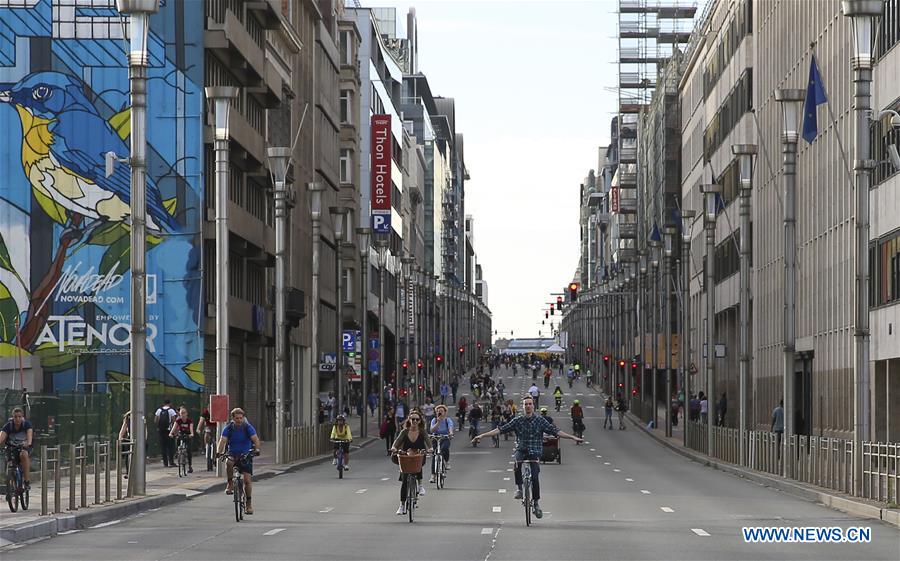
x=554, y=348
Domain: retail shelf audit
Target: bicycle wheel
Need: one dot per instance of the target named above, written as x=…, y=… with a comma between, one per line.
x=340, y=464
x=238, y=499
x=21, y=491
x=11, y=497
x=412, y=489
x=526, y=499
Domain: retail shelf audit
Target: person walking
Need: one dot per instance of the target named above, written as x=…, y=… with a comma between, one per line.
x=721, y=409
x=675, y=407
x=331, y=406
x=454, y=386
x=535, y=394
x=704, y=408
x=373, y=402
x=445, y=391
x=388, y=428
x=621, y=408
x=608, y=411
x=165, y=416
x=778, y=425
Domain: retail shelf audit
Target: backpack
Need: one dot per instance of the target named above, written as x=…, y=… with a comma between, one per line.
x=165, y=419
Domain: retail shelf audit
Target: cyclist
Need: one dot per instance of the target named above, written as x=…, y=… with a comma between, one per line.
x=589, y=380
x=208, y=428
x=546, y=416
x=183, y=430
x=19, y=432
x=413, y=440
x=341, y=431
x=461, y=407
x=501, y=390
x=535, y=393
x=557, y=394
x=547, y=374
x=240, y=437
x=475, y=416
x=443, y=425
x=577, y=415
x=529, y=431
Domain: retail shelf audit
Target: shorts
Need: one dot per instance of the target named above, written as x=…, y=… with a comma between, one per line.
x=28, y=449
x=345, y=446
x=246, y=466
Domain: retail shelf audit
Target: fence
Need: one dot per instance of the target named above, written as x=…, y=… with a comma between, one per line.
x=820, y=461
x=305, y=442
x=81, y=461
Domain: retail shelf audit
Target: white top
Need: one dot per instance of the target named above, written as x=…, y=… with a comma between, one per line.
x=704, y=406
x=428, y=409
x=533, y=390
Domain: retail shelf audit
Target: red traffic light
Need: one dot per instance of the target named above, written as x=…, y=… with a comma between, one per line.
x=439, y=359
x=606, y=358
x=419, y=363
x=633, y=392
x=479, y=344
x=621, y=385
x=546, y=315
x=404, y=391
x=588, y=350
x=634, y=366
x=421, y=387
x=461, y=349
x=559, y=301
x=405, y=364
x=621, y=362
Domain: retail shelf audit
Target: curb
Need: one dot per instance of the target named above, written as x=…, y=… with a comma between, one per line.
x=796, y=489
x=54, y=524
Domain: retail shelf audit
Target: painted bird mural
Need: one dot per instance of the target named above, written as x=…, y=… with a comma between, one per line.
x=64, y=142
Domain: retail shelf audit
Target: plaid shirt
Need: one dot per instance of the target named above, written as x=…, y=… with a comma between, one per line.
x=530, y=432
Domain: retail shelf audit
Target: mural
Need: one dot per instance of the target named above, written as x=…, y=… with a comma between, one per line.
x=65, y=225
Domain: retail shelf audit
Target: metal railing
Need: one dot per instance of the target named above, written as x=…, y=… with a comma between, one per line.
x=306, y=442
x=78, y=460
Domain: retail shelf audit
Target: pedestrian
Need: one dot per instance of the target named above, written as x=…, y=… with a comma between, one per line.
x=454, y=386
x=400, y=412
x=721, y=408
x=675, y=406
x=165, y=416
x=428, y=410
x=322, y=413
x=331, y=406
x=445, y=390
x=535, y=394
x=388, y=428
x=620, y=409
x=694, y=408
x=778, y=425
x=704, y=408
x=373, y=402
x=608, y=410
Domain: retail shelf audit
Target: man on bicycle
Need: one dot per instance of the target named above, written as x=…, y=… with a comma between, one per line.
x=183, y=431
x=341, y=432
x=577, y=417
x=240, y=437
x=529, y=429
x=19, y=432
x=441, y=425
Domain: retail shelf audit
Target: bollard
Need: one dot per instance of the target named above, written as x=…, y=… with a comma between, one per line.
x=43, y=480
x=72, y=460
x=106, y=470
x=82, y=460
x=118, y=470
x=96, y=472
x=57, y=478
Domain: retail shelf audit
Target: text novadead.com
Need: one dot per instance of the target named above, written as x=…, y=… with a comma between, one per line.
x=810, y=534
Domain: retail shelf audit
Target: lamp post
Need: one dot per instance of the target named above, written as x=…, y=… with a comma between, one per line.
x=790, y=101
x=406, y=264
x=381, y=245
x=687, y=220
x=654, y=271
x=279, y=159
x=746, y=153
x=337, y=216
x=363, y=235
x=315, y=209
x=710, y=196
x=139, y=12
x=642, y=319
x=862, y=14
x=669, y=242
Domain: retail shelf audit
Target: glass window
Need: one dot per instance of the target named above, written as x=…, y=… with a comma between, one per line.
x=346, y=165
x=346, y=107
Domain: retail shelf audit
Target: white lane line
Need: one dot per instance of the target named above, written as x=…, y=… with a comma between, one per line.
x=590, y=407
x=700, y=532
x=629, y=479
x=606, y=463
x=617, y=470
x=505, y=479
x=487, y=531
x=361, y=491
x=599, y=456
x=644, y=491
x=496, y=509
x=495, y=471
x=105, y=524
x=594, y=450
x=326, y=510
x=501, y=490
x=666, y=509
x=509, y=469
x=132, y=542
x=67, y=532
x=273, y=531
x=385, y=478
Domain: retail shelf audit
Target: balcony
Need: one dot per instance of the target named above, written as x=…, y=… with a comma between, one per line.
x=628, y=231
x=628, y=206
x=231, y=43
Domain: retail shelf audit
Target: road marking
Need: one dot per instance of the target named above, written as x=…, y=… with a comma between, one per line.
x=629, y=479
x=617, y=470
x=509, y=469
x=590, y=407
x=599, y=456
x=487, y=531
x=495, y=471
x=385, y=478
x=606, y=463
x=326, y=510
x=496, y=509
x=67, y=532
x=505, y=479
x=361, y=491
x=273, y=531
x=501, y=490
x=666, y=509
x=132, y=542
x=105, y=524
x=594, y=450
x=644, y=491
x=581, y=394
x=700, y=532
x=592, y=395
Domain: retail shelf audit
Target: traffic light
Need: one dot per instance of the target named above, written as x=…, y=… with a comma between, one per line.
x=551, y=309
x=606, y=360
x=634, y=367
x=633, y=392
x=439, y=359
x=461, y=349
x=546, y=315
x=559, y=302
x=421, y=387
x=622, y=363
x=479, y=344
x=420, y=364
x=588, y=350
x=621, y=385
x=573, y=291
x=405, y=365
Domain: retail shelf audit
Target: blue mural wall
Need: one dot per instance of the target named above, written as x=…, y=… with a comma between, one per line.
x=65, y=225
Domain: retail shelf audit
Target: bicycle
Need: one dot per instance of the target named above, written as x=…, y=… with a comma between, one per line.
x=410, y=466
x=237, y=477
x=181, y=456
x=208, y=438
x=558, y=402
x=340, y=455
x=16, y=493
x=527, y=502
x=440, y=467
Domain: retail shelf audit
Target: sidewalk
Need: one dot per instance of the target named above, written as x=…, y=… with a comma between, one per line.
x=164, y=487
x=827, y=497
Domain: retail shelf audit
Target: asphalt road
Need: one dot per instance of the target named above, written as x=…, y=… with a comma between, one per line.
x=622, y=496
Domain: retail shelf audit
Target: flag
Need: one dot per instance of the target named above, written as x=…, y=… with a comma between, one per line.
x=815, y=96
x=654, y=234
x=720, y=203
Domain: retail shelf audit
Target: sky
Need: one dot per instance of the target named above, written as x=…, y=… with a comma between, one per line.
x=533, y=83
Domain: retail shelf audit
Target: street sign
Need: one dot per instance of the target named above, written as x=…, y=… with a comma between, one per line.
x=373, y=342
x=381, y=223
x=329, y=363
x=373, y=354
x=349, y=340
x=373, y=366
x=218, y=408
x=719, y=349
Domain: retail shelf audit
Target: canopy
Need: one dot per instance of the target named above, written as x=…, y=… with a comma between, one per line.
x=554, y=348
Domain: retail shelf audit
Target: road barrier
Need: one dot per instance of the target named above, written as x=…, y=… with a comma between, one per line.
x=81, y=459
x=306, y=442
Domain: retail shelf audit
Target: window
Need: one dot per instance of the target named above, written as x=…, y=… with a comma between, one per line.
x=346, y=165
x=884, y=263
x=727, y=258
x=889, y=33
x=235, y=275
x=346, y=106
x=346, y=47
x=739, y=101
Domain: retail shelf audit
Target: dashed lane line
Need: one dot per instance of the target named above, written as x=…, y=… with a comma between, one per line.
x=361, y=491
x=326, y=510
x=645, y=492
x=617, y=470
x=666, y=509
x=501, y=490
x=630, y=480
x=496, y=509
x=700, y=532
x=273, y=531
x=487, y=531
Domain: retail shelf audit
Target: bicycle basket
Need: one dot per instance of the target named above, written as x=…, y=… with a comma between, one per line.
x=410, y=464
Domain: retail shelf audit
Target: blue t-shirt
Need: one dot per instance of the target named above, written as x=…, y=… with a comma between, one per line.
x=442, y=427
x=16, y=436
x=239, y=437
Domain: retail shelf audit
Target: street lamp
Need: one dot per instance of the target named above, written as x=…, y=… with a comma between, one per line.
x=669, y=242
x=642, y=328
x=363, y=234
x=862, y=14
x=654, y=345
x=338, y=213
x=711, y=194
x=279, y=158
x=790, y=101
x=139, y=12
x=746, y=154
x=687, y=221
x=381, y=246
x=315, y=210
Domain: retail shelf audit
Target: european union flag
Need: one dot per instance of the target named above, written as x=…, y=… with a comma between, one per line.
x=654, y=234
x=815, y=96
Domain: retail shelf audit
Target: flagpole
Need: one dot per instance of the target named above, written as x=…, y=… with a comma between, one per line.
x=837, y=130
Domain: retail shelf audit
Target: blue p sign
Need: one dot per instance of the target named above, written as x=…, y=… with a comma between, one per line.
x=381, y=223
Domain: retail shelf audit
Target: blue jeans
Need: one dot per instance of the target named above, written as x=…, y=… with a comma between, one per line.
x=535, y=473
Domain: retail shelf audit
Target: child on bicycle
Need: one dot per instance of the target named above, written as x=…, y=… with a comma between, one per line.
x=341, y=431
x=183, y=431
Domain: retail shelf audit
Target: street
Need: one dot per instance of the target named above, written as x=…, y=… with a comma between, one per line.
x=619, y=496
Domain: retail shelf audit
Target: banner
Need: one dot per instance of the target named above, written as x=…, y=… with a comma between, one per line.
x=614, y=199
x=381, y=164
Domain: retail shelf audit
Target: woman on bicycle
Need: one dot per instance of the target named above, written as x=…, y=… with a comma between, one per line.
x=183, y=431
x=341, y=431
x=413, y=439
x=208, y=429
x=442, y=425
x=557, y=394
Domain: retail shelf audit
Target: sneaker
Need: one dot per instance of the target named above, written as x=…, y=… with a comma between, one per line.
x=190, y=470
x=334, y=461
x=346, y=467
x=401, y=510
x=421, y=491
x=26, y=485
x=447, y=465
x=432, y=479
x=518, y=494
x=249, y=508
x=538, y=513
